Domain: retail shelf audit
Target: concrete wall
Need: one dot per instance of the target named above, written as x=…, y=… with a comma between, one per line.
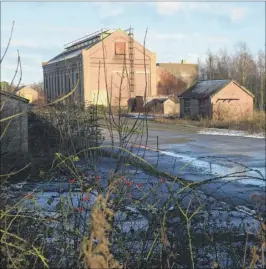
x=16, y=135
x=95, y=79
x=171, y=107
x=232, y=108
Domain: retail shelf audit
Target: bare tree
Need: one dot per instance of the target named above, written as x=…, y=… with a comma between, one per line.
x=261, y=77
x=223, y=64
x=243, y=64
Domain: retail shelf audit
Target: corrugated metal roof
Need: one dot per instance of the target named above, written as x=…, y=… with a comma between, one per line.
x=75, y=49
x=77, y=46
x=64, y=56
x=70, y=53
x=205, y=88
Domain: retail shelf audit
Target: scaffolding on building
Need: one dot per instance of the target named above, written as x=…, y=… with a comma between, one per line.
x=131, y=59
x=85, y=38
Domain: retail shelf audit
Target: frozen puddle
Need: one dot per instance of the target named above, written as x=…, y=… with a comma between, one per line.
x=214, y=131
x=254, y=176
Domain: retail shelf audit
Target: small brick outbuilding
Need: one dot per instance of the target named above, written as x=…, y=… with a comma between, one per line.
x=217, y=99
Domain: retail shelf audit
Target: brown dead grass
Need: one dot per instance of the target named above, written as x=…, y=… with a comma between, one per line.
x=252, y=123
x=97, y=254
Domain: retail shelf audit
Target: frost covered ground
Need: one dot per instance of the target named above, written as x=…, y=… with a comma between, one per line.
x=215, y=131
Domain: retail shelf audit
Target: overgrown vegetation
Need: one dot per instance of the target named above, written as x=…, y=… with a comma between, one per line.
x=254, y=123
x=91, y=211
x=241, y=65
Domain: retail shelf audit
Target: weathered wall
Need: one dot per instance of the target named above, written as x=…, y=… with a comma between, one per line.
x=194, y=107
x=182, y=107
x=61, y=77
x=171, y=108
x=16, y=136
x=117, y=80
x=232, y=108
x=205, y=107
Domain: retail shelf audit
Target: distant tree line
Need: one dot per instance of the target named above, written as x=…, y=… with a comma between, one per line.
x=241, y=65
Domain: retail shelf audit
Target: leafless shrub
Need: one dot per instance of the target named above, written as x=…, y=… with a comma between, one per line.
x=158, y=219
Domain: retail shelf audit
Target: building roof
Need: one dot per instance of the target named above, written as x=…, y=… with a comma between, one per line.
x=14, y=96
x=74, y=48
x=207, y=88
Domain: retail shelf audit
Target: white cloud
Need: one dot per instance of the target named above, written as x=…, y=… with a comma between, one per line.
x=107, y=9
x=30, y=73
x=167, y=8
x=169, y=36
x=237, y=14
x=188, y=37
x=31, y=43
x=209, y=38
x=62, y=29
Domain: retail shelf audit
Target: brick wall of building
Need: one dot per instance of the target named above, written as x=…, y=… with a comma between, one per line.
x=113, y=78
x=232, y=102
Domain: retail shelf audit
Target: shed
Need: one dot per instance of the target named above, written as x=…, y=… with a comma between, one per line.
x=217, y=99
x=15, y=131
x=171, y=106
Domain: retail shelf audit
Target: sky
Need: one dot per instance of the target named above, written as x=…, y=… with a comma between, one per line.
x=175, y=30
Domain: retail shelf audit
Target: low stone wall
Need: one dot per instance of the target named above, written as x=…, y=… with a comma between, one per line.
x=14, y=131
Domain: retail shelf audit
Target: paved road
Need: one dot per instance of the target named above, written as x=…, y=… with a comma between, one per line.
x=180, y=146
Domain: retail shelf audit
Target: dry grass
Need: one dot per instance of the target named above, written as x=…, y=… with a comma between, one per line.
x=96, y=249
x=252, y=123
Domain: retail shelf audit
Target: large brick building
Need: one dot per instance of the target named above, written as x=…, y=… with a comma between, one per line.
x=100, y=60
x=111, y=66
